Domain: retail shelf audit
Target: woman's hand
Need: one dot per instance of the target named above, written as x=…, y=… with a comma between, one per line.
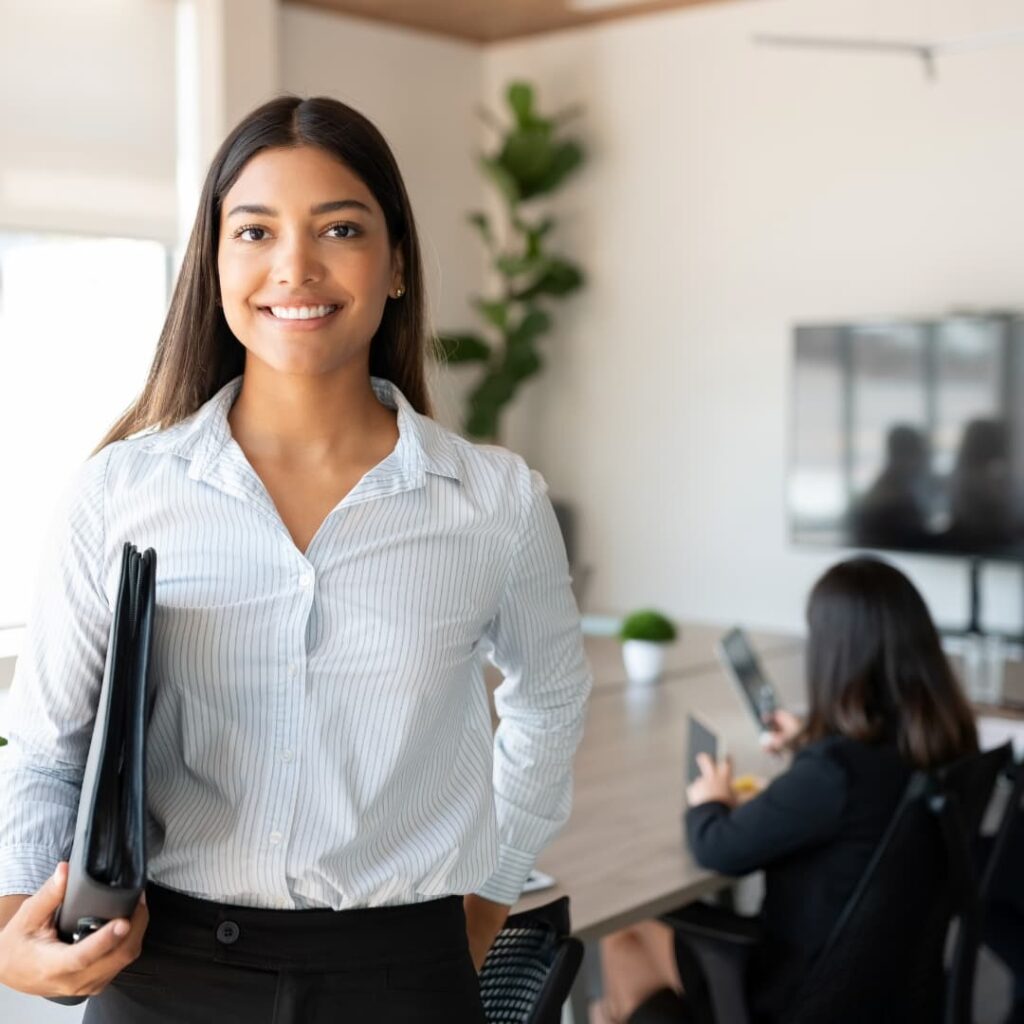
x=715, y=782
x=783, y=727
x=34, y=960
x=484, y=919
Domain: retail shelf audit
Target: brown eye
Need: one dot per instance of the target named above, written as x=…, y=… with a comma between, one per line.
x=352, y=229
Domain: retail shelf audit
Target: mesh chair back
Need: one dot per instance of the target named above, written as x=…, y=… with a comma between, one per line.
x=968, y=786
x=531, y=967
x=1005, y=859
x=884, y=958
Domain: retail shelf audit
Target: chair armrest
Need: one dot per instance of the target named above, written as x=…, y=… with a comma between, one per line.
x=701, y=921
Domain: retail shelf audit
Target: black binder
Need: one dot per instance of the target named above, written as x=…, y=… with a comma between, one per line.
x=107, y=868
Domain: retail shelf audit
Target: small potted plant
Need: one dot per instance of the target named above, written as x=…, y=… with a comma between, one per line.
x=645, y=635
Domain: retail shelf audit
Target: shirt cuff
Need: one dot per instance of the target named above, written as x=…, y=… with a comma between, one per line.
x=506, y=883
x=25, y=869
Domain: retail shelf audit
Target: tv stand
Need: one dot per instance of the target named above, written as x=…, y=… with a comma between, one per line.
x=974, y=626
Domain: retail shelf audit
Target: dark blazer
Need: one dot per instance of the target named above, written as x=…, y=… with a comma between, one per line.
x=813, y=831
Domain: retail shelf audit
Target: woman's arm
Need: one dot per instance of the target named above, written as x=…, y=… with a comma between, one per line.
x=53, y=706
x=802, y=807
x=484, y=919
x=57, y=678
x=536, y=643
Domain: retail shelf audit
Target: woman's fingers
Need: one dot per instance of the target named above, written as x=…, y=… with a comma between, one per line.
x=95, y=948
x=711, y=769
x=36, y=913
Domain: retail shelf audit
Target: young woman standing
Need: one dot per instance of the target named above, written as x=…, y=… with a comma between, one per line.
x=335, y=832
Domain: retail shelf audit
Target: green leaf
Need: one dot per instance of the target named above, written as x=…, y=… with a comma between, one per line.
x=563, y=159
x=498, y=387
x=463, y=348
x=522, y=361
x=516, y=266
x=499, y=174
x=482, y=223
x=486, y=402
x=559, y=277
x=3, y=742
x=494, y=311
x=535, y=234
x=527, y=156
x=532, y=325
x=520, y=98
x=534, y=161
x=648, y=624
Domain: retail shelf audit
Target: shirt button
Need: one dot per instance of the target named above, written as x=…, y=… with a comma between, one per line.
x=292, y=669
x=306, y=580
x=275, y=838
x=228, y=932
x=286, y=755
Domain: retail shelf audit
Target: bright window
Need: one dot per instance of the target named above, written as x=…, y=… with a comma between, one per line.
x=79, y=320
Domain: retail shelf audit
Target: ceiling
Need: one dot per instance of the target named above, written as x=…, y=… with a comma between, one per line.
x=490, y=21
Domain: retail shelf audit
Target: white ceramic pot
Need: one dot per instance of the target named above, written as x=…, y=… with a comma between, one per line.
x=644, y=660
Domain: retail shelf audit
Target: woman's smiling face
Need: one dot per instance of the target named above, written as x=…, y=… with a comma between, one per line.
x=304, y=261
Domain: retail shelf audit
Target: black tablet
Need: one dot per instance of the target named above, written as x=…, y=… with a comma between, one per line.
x=745, y=670
x=699, y=740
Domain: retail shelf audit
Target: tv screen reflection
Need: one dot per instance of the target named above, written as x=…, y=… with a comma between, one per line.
x=908, y=436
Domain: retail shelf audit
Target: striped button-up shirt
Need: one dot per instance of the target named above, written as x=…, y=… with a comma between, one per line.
x=321, y=733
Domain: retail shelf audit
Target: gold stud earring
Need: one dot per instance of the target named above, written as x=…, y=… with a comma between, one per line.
x=399, y=292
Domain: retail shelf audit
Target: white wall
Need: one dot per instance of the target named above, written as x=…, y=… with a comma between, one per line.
x=732, y=190
x=422, y=92
x=87, y=116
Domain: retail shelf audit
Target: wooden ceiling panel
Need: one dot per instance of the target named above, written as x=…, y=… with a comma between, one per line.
x=492, y=21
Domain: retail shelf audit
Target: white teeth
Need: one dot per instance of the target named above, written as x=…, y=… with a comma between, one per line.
x=301, y=312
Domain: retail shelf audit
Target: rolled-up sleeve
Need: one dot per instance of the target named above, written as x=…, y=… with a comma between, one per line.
x=52, y=704
x=537, y=645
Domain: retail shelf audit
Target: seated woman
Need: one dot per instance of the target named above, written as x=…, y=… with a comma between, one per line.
x=882, y=702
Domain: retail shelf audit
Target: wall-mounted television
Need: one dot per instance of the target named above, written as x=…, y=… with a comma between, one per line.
x=909, y=436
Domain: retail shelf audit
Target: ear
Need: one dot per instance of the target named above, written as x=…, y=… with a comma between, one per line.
x=397, y=268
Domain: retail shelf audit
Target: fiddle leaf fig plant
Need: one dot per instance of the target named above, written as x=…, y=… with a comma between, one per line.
x=533, y=158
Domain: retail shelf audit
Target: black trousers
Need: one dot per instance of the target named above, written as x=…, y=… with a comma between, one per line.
x=209, y=963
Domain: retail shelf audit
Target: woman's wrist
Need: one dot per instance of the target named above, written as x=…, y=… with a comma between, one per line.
x=9, y=907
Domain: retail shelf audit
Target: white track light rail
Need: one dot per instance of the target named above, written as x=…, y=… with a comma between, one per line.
x=926, y=52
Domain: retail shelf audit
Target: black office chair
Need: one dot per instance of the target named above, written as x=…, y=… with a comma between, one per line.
x=531, y=967
x=1001, y=857
x=1000, y=860
x=883, y=961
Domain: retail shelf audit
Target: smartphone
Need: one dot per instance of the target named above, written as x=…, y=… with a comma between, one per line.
x=536, y=881
x=755, y=689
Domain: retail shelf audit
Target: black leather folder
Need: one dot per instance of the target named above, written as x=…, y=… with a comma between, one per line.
x=107, y=868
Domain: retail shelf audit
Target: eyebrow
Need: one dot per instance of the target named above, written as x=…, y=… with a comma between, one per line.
x=258, y=209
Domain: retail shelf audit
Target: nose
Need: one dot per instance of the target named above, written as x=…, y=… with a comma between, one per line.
x=296, y=261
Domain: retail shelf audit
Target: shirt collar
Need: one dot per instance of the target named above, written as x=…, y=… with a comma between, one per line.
x=424, y=446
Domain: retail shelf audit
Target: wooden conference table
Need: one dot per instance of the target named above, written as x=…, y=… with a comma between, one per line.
x=621, y=857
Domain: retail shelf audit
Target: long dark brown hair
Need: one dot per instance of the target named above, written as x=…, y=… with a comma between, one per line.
x=876, y=670
x=197, y=353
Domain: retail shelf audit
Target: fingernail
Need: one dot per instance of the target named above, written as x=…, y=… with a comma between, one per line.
x=142, y=899
x=120, y=928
